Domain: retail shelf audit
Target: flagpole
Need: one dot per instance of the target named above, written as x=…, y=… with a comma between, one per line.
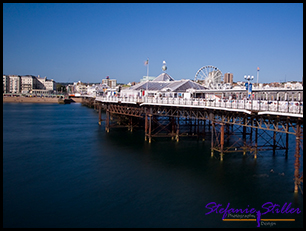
x=148, y=69
x=257, y=76
x=147, y=64
x=147, y=76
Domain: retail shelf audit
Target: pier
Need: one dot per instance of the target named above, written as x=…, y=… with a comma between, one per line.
x=236, y=125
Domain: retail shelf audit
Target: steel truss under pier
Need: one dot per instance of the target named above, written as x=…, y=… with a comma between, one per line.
x=229, y=131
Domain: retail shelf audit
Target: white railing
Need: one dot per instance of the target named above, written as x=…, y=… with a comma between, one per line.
x=252, y=105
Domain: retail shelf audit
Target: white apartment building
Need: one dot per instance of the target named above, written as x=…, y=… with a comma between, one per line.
x=46, y=84
x=6, y=84
x=15, y=84
x=80, y=87
x=112, y=83
x=28, y=83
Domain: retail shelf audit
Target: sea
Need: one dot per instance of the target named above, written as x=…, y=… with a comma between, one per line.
x=62, y=170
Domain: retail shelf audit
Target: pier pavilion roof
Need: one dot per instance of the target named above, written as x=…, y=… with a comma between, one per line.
x=182, y=86
x=170, y=86
x=163, y=77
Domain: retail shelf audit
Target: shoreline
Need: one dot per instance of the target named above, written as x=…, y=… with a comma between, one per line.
x=8, y=99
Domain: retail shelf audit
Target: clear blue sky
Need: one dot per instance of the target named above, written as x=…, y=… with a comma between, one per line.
x=87, y=42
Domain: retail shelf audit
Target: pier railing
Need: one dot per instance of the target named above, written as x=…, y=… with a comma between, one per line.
x=292, y=107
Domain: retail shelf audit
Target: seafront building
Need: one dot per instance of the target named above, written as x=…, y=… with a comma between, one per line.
x=228, y=78
x=48, y=85
x=112, y=83
x=6, y=84
x=97, y=89
x=79, y=88
x=14, y=83
x=28, y=84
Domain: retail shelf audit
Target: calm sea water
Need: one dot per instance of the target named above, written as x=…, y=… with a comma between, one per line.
x=60, y=169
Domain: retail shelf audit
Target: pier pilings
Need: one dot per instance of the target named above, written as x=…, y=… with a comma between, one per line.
x=230, y=131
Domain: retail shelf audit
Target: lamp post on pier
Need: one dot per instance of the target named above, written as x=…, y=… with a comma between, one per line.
x=248, y=85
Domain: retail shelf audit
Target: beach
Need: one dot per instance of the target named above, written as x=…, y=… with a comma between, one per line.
x=8, y=99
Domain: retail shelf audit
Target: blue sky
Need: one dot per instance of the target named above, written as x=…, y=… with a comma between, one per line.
x=87, y=42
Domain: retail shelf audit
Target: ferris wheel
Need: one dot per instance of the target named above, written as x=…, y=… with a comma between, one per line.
x=209, y=76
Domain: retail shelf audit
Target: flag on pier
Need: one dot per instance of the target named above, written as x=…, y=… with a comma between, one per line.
x=146, y=63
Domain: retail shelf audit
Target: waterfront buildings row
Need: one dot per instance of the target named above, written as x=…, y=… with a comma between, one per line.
x=28, y=84
x=163, y=85
x=79, y=88
x=166, y=86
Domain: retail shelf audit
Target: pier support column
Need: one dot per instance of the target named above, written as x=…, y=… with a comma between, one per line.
x=297, y=158
x=211, y=121
x=274, y=142
x=131, y=124
x=227, y=129
x=177, y=130
x=287, y=140
x=100, y=114
x=204, y=132
x=107, y=119
x=150, y=128
x=172, y=128
x=256, y=142
x=146, y=126
x=222, y=141
x=198, y=129
x=212, y=139
x=244, y=137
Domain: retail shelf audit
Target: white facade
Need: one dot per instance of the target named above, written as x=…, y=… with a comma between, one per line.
x=112, y=83
x=15, y=84
x=92, y=90
x=6, y=84
x=80, y=88
x=49, y=85
x=28, y=83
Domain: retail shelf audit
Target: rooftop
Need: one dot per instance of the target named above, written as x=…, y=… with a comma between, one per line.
x=165, y=82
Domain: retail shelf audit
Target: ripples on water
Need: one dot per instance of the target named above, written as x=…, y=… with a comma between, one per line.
x=60, y=169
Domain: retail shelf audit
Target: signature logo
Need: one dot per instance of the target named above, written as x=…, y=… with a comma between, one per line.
x=267, y=207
